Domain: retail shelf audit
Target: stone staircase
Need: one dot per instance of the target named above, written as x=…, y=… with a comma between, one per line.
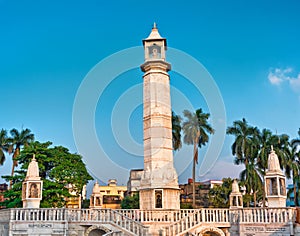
x=121, y=224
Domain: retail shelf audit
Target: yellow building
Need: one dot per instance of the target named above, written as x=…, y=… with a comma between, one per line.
x=74, y=201
x=109, y=196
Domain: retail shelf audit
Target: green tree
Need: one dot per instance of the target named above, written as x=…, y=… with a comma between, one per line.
x=58, y=170
x=296, y=141
x=292, y=166
x=131, y=202
x=245, y=136
x=196, y=132
x=176, y=131
x=219, y=195
x=251, y=178
x=266, y=139
x=18, y=140
x=245, y=149
x=4, y=145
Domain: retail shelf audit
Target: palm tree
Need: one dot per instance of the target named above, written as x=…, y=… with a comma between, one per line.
x=196, y=129
x=251, y=178
x=244, y=137
x=266, y=139
x=292, y=164
x=176, y=131
x=296, y=141
x=19, y=139
x=4, y=145
x=245, y=149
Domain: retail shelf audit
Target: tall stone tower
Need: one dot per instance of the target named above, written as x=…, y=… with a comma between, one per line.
x=32, y=186
x=159, y=182
x=275, y=182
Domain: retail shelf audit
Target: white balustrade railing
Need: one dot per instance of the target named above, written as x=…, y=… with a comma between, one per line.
x=229, y=216
x=263, y=215
x=205, y=215
x=131, y=220
x=49, y=214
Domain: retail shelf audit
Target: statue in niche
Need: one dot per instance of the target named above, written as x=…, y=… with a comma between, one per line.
x=34, y=191
x=282, y=186
x=158, y=199
x=274, y=186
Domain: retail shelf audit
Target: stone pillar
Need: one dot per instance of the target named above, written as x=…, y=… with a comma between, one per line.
x=32, y=186
x=235, y=197
x=275, y=186
x=159, y=182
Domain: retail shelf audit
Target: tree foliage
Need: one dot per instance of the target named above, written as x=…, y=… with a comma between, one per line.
x=176, y=131
x=4, y=145
x=131, y=202
x=58, y=170
x=219, y=194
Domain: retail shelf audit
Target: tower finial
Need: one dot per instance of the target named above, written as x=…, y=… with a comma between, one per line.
x=154, y=26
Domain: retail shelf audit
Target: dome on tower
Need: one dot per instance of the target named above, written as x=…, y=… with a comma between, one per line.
x=235, y=187
x=33, y=170
x=273, y=162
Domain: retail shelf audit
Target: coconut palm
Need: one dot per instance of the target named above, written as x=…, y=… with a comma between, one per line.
x=245, y=149
x=296, y=141
x=251, y=177
x=244, y=137
x=19, y=139
x=196, y=132
x=292, y=168
x=176, y=131
x=281, y=144
x=4, y=145
x=266, y=139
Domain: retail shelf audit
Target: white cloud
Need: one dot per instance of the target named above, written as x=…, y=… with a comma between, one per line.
x=278, y=76
x=295, y=83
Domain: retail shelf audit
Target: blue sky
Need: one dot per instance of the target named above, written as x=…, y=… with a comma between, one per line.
x=250, y=48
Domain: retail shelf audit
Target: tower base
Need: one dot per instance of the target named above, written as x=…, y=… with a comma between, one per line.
x=276, y=201
x=157, y=199
x=31, y=203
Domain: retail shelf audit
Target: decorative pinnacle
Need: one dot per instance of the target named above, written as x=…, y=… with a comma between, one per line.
x=33, y=157
x=154, y=26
